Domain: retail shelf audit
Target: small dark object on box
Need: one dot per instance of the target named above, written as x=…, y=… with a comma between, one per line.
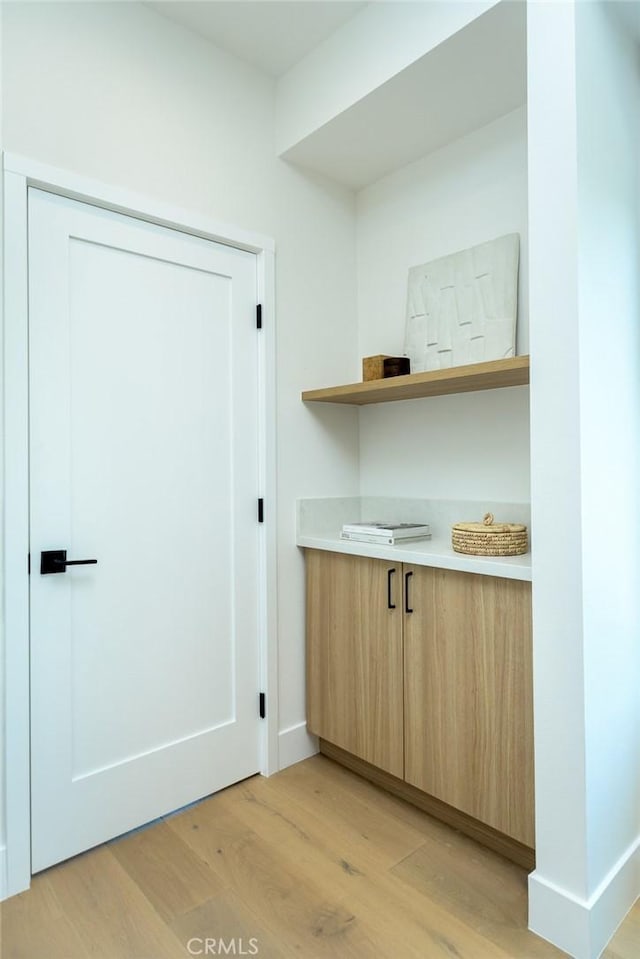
x=396, y=366
x=381, y=366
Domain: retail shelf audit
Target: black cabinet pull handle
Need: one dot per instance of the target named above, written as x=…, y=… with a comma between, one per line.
x=390, y=573
x=55, y=561
x=407, y=577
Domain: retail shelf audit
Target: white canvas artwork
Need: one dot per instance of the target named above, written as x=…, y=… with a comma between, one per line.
x=463, y=308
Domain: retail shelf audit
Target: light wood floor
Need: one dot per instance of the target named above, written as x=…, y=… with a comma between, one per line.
x=314, y=862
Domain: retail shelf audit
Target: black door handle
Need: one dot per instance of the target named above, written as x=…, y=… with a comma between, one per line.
x=390, y=573
x=407, y=577
x=55, y=561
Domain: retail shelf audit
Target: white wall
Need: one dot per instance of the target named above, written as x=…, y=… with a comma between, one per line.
x=585, y=402
x=555, y=451
x=118, y=93
x=459, y=447
x=608, y=85
x=2, y=703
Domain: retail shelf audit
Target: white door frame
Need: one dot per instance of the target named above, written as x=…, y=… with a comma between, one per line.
x=21, y=173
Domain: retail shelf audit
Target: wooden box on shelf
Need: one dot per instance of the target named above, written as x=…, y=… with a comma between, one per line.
x=381, y=366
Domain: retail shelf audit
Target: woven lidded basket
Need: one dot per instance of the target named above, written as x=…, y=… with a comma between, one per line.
x=490, y=539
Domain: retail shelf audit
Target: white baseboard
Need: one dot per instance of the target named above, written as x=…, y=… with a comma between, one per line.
x=296, y=744
x=580, y=927
x=4, y=890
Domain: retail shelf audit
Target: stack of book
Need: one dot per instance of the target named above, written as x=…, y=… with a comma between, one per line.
x=388, y=534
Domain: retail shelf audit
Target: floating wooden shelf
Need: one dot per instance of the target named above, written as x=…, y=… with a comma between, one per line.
x=491, y=375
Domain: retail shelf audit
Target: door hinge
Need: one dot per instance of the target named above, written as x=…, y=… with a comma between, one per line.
x=28, y=564
x=259, y=316
x=263, y=705
x=261, y=510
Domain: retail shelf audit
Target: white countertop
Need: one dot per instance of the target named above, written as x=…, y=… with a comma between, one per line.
x=426, y=552
x=320, y=522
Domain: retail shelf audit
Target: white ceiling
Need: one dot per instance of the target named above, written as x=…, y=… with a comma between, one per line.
x=269, y=34
x=472, y=78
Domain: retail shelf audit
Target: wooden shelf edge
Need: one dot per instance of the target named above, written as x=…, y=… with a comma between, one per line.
x=490, y=375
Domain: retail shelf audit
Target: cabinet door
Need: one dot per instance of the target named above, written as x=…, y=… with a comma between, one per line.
x=468, y=696
x=354, y=656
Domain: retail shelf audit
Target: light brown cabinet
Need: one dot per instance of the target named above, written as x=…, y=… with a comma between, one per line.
x=468, y=712
x=354, y=657
x=425, y=673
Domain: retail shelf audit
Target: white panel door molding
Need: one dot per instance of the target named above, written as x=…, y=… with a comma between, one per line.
x=144, y=451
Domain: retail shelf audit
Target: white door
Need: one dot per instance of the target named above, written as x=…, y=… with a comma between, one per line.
x=144, y=456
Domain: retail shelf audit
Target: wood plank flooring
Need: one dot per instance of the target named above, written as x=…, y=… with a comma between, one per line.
x=314, y=863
